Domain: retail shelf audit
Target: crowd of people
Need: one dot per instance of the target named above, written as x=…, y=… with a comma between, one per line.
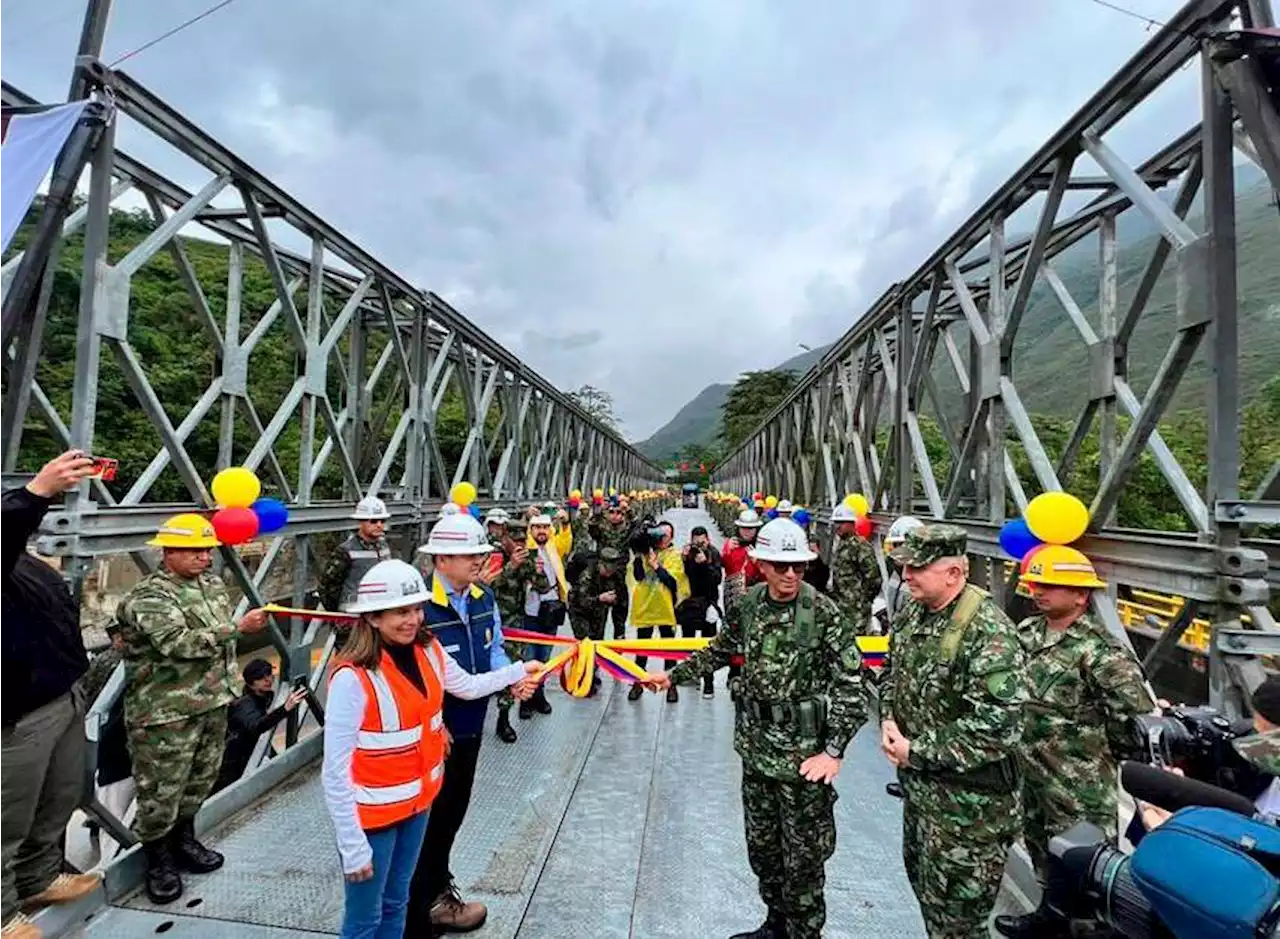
x=998, y=731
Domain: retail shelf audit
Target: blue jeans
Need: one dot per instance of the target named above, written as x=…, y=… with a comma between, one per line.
x=376, y=908
x=537, y=651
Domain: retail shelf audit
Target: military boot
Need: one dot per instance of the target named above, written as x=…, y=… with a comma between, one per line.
x=539, y=701
x=774, y=927
x=164, y=883
x=1039, y=924
x=526, y=710
x=189, y=854
x=506, y=733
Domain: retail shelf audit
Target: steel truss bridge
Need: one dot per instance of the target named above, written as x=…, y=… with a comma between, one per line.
x=378, y=356
x=853, y=422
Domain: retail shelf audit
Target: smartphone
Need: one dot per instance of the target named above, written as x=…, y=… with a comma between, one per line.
x=104, y=468
x=300, y=683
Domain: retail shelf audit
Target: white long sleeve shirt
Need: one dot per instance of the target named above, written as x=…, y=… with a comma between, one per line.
x=344, y=712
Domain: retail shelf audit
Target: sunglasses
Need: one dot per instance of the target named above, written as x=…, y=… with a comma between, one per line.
x=783, y=567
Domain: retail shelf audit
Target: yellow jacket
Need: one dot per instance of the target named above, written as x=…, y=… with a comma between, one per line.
x=651, y=602
x=563, y=538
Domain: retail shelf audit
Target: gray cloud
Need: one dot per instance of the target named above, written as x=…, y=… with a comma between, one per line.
x=647, y=198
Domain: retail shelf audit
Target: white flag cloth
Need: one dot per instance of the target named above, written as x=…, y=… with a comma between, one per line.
x=32, y=142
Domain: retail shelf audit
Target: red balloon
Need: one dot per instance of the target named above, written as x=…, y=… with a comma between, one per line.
x=863, y=527
x=234, y=526
x=1026, y=558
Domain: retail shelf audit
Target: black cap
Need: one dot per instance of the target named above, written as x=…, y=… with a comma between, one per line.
x=698, y=530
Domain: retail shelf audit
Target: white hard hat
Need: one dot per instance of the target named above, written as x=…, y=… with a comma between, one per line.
x=902, y=527
x=747, y=518
x=370, y=509
x=457, y=534
x=496, y=517
x=540, y=520
x=782, y=540
x=450, y=508
x=388, y=585
x=842, y=513
x=783, y=506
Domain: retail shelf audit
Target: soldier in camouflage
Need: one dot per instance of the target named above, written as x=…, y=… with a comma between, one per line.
x=180, y=673
x=1085, y=688
x=801, y=700
x=855, y=576
x=510, y=567
x=951, y=703
x=1262, y=747
x=612, y=530
x=363, y=549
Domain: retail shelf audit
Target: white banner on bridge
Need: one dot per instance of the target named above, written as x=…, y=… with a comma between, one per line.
x=32, y=142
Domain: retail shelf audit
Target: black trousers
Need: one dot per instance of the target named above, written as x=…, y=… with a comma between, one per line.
x=432, y=876
x=707, y=630
x=646, y=632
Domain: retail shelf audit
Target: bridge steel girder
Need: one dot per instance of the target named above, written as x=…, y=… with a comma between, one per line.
x=853, y=421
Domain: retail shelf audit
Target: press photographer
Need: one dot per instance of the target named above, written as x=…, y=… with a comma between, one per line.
x=658, y=585
x=704, y=568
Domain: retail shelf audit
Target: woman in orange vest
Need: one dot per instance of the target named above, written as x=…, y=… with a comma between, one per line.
x=385, y=744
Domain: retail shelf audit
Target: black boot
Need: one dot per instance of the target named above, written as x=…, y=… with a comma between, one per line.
x=164, y=883
x=526, y=710
x=774, y=927
x=709, y=687
x=539, y=701
x=636, y=691
x=189, y=854
x=1034, y=925
x=506, y=733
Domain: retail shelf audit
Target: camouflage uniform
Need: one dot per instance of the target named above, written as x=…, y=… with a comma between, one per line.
x=180, y=674
x=964, y=720
x=587, y=614
x=787, y=677
x=1262, y=750
x=342, y=574
x=607, y=535
x=508, y=592
x=855, y=579
x=1085, y=688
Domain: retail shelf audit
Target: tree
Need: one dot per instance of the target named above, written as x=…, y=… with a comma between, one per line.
x=752, y=396
x=597, y=403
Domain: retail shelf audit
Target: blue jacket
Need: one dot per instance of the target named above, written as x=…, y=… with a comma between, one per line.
x=475, y=644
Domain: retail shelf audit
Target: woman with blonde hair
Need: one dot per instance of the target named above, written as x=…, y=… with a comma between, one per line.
x=385, y=743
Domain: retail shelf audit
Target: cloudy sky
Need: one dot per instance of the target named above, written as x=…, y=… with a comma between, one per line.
x=648, y=196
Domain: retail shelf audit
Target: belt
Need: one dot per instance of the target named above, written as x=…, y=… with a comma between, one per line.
x=780, y=712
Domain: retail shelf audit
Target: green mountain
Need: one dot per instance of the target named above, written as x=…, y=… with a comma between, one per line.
x=698, y=422
x=1048, y=347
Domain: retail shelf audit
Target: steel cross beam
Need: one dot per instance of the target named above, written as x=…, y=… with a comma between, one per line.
x=860, y=410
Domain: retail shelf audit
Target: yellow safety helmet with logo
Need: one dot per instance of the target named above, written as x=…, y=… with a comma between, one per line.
x=187, y=530
x=1058, y=565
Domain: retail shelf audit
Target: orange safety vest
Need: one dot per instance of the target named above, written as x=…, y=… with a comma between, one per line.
x=398, y=764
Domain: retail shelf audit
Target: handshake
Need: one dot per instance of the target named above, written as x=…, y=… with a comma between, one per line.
x=523, y=689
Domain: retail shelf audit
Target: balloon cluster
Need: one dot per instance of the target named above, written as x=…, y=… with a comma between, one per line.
x=462, y=498
x=597, y=497
x=1050, y=518
x=861, y=507
x=575, y=498
x=242, y=515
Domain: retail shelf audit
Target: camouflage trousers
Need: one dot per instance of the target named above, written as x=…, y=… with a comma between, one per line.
x=175, y=766
x=515, y=652
x=587, y=625
x=791, y=833
x=1053, y=803
x=954, y=846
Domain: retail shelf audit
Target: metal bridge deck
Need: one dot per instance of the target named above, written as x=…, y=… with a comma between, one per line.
x=606, y=819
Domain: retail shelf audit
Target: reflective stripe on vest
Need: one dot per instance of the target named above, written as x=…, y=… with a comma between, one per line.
x=398, y=767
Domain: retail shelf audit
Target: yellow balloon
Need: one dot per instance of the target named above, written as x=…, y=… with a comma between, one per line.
x=858, y=502
x=463, y=494
x=236, y=487
x=599, y=493
x=1057, y=517
x=576, y=494
x=771, y=502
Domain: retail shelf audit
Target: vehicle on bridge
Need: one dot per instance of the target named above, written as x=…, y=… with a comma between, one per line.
x=689, y=496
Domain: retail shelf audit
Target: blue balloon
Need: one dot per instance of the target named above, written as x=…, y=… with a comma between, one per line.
x=1016, y=539
x=474, y=510
x=771, y=514
x=272, y=514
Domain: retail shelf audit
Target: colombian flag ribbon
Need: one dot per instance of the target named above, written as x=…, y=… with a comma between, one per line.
x=577, y=659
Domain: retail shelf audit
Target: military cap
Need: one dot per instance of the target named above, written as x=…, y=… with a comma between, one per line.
x=1262, y=750
x=610, y=555
x=930, y=543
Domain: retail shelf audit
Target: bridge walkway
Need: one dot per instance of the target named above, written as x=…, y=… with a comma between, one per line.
x=608, y=818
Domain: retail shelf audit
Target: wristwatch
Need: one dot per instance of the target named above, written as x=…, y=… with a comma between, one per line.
x=836, y=753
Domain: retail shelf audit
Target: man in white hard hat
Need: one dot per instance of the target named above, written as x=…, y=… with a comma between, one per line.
x=363, y=549
x=463, y=615
x=855, y=576
x=800, y=701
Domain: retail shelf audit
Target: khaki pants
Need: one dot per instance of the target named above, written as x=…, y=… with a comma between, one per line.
x=42, y=769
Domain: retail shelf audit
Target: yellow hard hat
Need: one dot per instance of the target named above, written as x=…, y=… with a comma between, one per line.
x=1058, y=565
x=187, y=530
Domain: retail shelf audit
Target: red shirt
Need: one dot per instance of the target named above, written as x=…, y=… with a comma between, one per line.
x=738, y=560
